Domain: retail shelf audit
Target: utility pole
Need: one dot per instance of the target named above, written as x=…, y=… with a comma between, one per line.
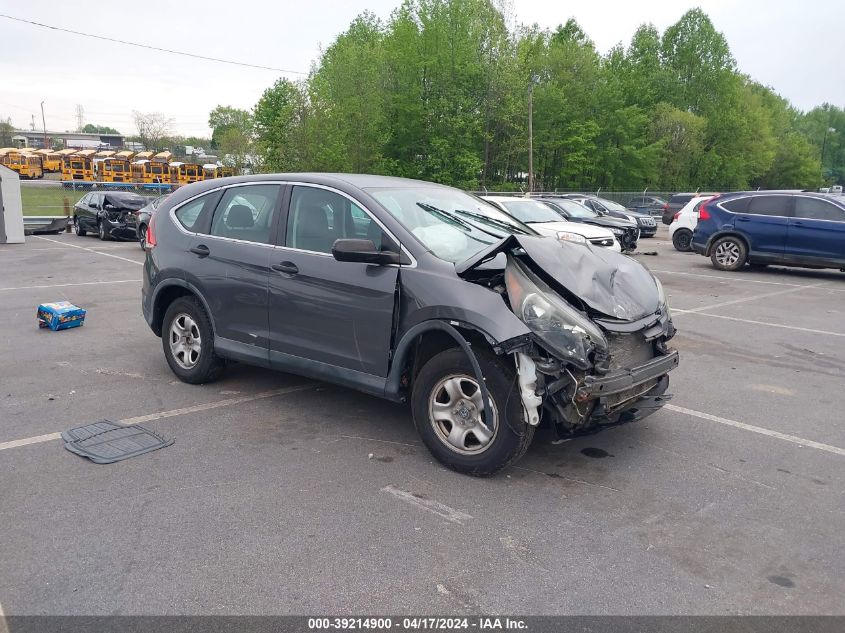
x=531, y=137
x=80, y=117
x=32, y=123
x=44, y=124
x=824, y=143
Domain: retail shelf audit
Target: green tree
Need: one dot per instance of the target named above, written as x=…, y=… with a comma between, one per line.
x=91, y=128
x=223, y=118
x=280, y=117
x=6, y=132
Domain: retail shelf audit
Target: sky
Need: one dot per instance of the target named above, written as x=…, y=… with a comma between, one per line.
x=797, y=48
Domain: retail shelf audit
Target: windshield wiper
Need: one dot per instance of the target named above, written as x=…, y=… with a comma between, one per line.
x=444, y=215
x=507, y=226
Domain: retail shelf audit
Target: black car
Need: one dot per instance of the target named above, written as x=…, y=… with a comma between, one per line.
x=143, y=221
x=109, y=214
x=626, y=231
x=651, y=205
x=603, y=206
x=408, y=291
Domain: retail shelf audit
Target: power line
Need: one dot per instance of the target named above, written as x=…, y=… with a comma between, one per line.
x=153, y=48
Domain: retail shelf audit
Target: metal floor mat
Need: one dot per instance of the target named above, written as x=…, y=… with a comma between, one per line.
x=106, y=442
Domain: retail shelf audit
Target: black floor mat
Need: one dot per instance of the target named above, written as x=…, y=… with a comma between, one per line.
x=106, y=442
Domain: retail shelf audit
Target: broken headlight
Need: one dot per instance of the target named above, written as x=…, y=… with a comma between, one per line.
x=565, y=330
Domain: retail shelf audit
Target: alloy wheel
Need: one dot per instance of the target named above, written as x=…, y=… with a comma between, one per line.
x=727, y=253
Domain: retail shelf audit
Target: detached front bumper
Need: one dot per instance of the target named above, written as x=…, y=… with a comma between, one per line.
x=120, y=230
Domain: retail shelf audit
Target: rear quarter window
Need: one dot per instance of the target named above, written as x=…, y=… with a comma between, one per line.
x=737, y=205
x=194, y=215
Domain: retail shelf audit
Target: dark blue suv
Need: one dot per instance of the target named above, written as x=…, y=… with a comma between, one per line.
x=767, y=227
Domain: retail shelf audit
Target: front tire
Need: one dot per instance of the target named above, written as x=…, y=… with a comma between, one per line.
x=188, y=341
x=78, y=228
x=729, y=253
x=447, y=408
x=682, y=240
x=101, y=229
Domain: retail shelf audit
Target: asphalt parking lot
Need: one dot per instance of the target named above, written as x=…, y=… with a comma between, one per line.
x=286, y=496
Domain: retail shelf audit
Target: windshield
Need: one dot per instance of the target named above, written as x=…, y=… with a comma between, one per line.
x=529, y=211
x=575, y=209
x=610, y=205
x=450, y=223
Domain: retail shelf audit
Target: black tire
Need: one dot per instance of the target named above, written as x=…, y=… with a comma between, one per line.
x=208, y=365
x=142, y=239
x=78, y=228
x=101, y=231
x=682, y=240
x=512, y=434
x=729, y=253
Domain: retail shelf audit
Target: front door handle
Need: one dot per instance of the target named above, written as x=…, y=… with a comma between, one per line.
x=201, y=250
x=743, y=219
x=797, y=223
x=289, y=268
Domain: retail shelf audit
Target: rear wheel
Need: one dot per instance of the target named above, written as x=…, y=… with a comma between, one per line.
x=188, y=341
x=729, y=253
x=448, y=411
x=101, y=229
x=682, y=240
x=142, y=239
x=77, y=228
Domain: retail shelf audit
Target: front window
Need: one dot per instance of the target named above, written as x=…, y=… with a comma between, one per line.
x=450, y=223
x=610, y=205
x=575, y=209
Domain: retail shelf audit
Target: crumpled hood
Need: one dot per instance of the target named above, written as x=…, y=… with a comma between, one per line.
x=608, y=282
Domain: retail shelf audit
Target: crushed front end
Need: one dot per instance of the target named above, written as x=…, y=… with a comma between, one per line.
x=592, y=370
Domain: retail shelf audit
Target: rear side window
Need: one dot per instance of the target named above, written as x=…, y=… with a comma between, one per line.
x=189, y=214
x=681, y=198
x=246, y=213
x=815, y=209
x=737, y=205
x=770, y=205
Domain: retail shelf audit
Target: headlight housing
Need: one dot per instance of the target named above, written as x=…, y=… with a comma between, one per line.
x=567, y=236
x=617, y=232
x=565, y=330
x=661, y=294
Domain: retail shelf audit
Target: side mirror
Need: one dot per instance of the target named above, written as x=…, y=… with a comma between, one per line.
x=362, y=251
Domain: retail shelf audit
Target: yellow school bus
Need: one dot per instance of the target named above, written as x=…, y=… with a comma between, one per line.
x=50, y=159
x=113, y=170
x=77, y=168
x=144, y=155
x=26, y=163
x=106, y=153
x=162, y=157
x=150, y=172
x=210, y=171
x=126, y=154
x=185, y=173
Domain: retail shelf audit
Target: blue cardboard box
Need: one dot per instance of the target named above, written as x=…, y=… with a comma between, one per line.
x=60, y=315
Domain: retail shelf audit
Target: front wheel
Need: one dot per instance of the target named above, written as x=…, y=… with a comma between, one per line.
x=77, y=228
x=729, y=253
x=682, y=240
x=101, y=229
x=447, y=408
x=188, y=341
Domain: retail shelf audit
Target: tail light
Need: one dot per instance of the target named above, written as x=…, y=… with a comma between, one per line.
x=703, y=212
x=677, y=215
x=151, y=234
x=665, y=206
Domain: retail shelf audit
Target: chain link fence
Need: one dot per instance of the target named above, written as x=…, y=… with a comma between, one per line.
x=48, y=199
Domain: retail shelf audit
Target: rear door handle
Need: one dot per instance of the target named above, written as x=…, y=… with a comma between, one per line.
x=201, y=250
x=743, y=219
x=288, y=268
x=797, y=223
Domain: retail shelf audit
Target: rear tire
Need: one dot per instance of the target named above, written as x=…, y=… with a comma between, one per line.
x=188, y=341
x=142, y=240
x=101, y=230
x=682, y=240
x=729, y=253
x=447, y=410
x=77, y=228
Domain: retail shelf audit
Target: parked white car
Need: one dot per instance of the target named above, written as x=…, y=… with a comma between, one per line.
x=546, y=221
x=684, y=223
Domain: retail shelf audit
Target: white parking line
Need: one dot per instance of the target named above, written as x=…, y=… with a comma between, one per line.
x=739, y=278
x=780, y=325
x=758, y=429
x=90, y=250
x=713, y=306
x=429, y=505
x=168, y=414
x=82, y=283
x=3, y=627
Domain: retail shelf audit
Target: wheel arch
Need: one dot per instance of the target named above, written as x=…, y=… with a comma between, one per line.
x=727, y=233
x=166, y=293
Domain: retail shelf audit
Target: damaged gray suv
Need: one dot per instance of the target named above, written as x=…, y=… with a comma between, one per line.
x=409, y=291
